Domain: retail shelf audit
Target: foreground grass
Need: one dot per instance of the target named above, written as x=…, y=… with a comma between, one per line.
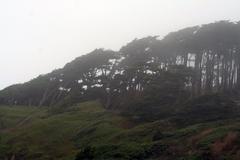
x=89, y=131
x=41, y=135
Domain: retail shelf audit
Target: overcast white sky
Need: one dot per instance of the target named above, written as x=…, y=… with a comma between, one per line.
x=37, y=36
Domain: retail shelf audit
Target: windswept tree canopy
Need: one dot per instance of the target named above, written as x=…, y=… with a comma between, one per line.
x=193, y=61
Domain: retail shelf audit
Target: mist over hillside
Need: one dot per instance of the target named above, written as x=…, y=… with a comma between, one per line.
x=197, y=60
x=171, y=98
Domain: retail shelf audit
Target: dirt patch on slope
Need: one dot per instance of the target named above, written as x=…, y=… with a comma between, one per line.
x=225, y=144
x=193, y=140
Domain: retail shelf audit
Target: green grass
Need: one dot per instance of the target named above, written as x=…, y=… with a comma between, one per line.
x=56, y=135
x=10, y=116
x=87, y=129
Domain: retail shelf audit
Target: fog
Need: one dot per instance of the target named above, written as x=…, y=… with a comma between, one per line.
x=37, y=36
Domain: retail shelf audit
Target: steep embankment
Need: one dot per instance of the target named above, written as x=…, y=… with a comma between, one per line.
x=89, y=131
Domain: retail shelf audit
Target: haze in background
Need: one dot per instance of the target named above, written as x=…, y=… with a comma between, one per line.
x=37, y=36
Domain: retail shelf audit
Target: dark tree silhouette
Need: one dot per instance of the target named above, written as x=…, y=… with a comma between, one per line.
x=198, y=60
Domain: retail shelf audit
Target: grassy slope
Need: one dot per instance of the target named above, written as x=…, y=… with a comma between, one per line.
x=36, y=134
x=42, y=135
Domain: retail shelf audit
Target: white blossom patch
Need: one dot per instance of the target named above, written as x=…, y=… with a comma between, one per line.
x=112, y=61
x=64, y=89
x=99, y=72
x=150, y=61
x=85, y=87
x=108, y=90
x=149, y=72
x=119, y=72
x=147, y=49
x=80, y=81
x=97, y=85
x=120, y=59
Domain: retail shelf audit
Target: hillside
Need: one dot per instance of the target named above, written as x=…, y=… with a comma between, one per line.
x=88, y=131
x=171, y=99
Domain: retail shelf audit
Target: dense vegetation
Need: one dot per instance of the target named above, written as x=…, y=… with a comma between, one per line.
x=141, y=102
x=197, y=60
x=89, y=131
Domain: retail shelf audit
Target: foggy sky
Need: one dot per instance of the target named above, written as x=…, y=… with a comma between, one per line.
x=37, y=36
